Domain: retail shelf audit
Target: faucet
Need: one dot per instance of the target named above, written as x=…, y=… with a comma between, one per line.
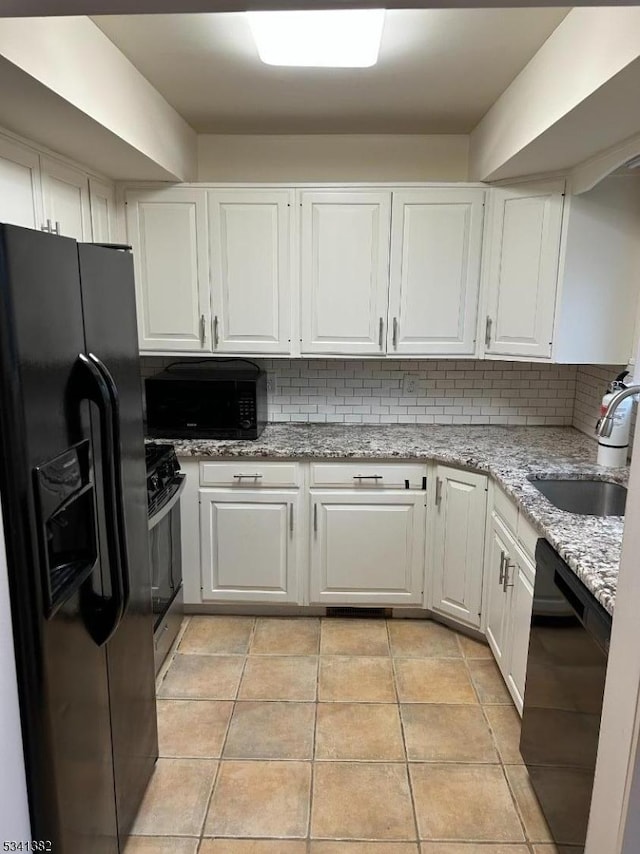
x=604, y=426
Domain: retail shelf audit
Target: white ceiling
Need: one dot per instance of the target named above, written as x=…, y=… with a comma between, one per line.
x=439, y=71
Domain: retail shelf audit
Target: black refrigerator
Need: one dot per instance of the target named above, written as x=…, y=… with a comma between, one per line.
x=73, y=490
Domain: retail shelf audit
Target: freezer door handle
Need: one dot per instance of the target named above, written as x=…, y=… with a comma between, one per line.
x=118, y=479
x=104, y=615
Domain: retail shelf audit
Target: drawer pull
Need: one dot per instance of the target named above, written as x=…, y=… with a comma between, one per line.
x=368, y=476
x=291, y=518
x=502, y=558
x=251, y=476
x=438, y=491
x=315, y=518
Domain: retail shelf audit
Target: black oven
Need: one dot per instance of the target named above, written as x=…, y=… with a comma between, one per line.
x=165, y=484
x=219, y=402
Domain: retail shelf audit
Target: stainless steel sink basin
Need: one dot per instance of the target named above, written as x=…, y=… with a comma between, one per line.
x=587, y=497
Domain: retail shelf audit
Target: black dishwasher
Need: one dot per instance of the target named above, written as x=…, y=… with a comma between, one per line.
x=566, y=671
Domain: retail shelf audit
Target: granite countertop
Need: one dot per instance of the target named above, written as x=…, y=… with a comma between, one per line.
x=511, y=455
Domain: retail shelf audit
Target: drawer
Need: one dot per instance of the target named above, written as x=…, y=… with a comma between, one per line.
x=506, y=508
x=250, y=474
x=527, y=535
x=367, y=475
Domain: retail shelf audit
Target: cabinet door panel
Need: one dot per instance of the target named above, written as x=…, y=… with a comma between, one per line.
x=436, y=244
x=459, y=544
x=66, y=199
x=523, y=269
x=168, y=232
x=500, y=546
x=367, y=549
x=103, y=211
x=344, y=271
x=249, y=546
x=20, y=191
x=520, y=575
x=250, y=251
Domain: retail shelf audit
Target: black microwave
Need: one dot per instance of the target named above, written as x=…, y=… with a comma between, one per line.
x=206, y=403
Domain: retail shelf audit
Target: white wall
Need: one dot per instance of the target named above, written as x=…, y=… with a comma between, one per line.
x=588, y=48
x=14, y=810
x=79, y=64
x=354, y=157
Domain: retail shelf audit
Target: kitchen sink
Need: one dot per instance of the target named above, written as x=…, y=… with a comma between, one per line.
x=587, y=497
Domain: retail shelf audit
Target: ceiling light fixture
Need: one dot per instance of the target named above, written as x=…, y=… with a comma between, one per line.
x=344, y=38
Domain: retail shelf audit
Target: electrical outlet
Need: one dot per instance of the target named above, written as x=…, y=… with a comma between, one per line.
x=409, y=385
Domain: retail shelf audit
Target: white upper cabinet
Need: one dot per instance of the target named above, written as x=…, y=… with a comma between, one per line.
x=65, y=192
x=344, y=271
x=436, y=250
x=103, y=211
x=168, y=231
x=20, y=197
x=458, y=544
x=522, y=269
x=250, y=270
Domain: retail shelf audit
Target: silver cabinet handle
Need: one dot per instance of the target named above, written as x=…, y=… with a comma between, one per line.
x=487, y=332
x=395, y=333
x=507, y=566
x=438, y=491
x=49, y=229
x=291, y=518
x=381, y=334
x=44, y=227
x=368, y=476
x=57, y=227
x=315, y=518
x=215, y=332
x=203, y=330
x=502, y=557
x=251, y=476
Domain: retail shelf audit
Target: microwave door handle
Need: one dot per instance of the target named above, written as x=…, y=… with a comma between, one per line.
x=118, y=478
x=103, y=619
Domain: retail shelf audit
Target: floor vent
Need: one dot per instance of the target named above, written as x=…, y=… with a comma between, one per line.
x=369, y=613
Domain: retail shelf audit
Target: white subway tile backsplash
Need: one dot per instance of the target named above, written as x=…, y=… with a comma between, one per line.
x=447, y=392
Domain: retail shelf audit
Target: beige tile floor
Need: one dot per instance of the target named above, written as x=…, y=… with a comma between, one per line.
x=330, y=736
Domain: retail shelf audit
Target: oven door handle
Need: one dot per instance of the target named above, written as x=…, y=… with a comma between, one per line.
x=181, y=479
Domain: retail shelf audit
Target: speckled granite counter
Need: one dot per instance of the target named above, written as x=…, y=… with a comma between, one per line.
x=589, y=544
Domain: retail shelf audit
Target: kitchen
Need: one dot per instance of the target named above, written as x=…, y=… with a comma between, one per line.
x=436, y=305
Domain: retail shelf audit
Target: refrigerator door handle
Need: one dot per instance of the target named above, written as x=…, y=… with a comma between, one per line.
x=93, y=387
x=118, y=479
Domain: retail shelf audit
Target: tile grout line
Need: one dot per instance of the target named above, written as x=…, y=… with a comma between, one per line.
x=314, y=739
x=493, y=738
x=404, y=742
x=224, y=741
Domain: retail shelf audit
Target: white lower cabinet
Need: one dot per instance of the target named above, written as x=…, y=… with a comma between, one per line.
x=522, y=577
x=509, y=582
x=500, y=545
x=250, y=545
x=458, y=544
x=367, y=547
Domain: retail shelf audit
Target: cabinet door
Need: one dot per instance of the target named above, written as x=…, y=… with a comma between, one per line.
x=102, y=198
x=344, y=271
x=499, y=549
x=249, y=546
x=436, y=247
x=521, y=576
x=20, y=190
x=460, y=516
x=250, y=263
x=524, y=250
x=168, y=232
x=367, y=549
x=65, y=193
